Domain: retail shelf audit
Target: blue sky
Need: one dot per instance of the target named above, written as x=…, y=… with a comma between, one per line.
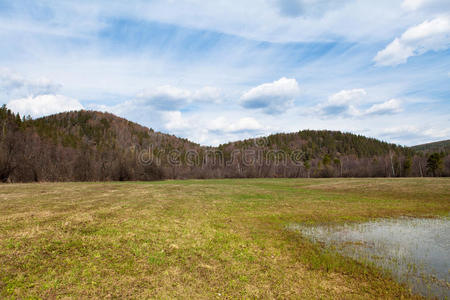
x=217, y=71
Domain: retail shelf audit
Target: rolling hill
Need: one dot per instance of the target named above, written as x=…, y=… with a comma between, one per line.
x=433, y=147
x=96, y=146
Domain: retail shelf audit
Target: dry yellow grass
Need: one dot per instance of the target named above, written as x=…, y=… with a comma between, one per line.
x=197, y=238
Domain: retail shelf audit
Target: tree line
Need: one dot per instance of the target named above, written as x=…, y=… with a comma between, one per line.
x=95, y=146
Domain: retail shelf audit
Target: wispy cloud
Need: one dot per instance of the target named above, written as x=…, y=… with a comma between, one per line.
x=215, y=71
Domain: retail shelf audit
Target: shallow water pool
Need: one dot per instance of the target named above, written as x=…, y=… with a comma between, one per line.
x=415, y=251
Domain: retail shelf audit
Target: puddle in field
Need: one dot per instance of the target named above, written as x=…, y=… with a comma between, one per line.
x=414, y=251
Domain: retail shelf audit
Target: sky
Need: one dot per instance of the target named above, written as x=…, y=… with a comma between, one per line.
x=224, y=70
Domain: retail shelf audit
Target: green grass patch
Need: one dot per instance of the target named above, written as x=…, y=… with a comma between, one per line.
x=198, y=238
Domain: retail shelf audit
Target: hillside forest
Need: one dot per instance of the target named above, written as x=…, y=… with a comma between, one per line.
x=96, y=146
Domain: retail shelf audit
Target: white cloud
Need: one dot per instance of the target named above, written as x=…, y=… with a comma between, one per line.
x=120, y=49
x=275, y=20
x=411, y=129
x=395, y=53
x=343, y=103
x=347, y=96
x=389, y=107
x=349, y=103
x=207, y=94
x=160, y=107
x=166, y=97
x=400, y=130
x=175, y=121
x=413, y=4
x=245, y=124
x=273, y=97
x=290, y=20
x=307, y=8
x=169, y=98
x=415, y=134
x=212, y=130
x=43, y=105
x=16, y=85
x=431, y=35
x=437, y=5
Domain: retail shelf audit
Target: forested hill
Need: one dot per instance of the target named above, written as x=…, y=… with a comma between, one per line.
x=318, y=143
x=79, y=146
x=433, y=147
x=89, y=145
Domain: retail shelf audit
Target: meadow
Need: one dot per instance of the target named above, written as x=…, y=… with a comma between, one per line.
x=198, y=238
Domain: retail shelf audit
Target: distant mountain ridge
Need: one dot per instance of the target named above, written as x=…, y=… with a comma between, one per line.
x=434, y=146
x=97, y=146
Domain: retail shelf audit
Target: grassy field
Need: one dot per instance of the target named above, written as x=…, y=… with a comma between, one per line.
x=197, y=239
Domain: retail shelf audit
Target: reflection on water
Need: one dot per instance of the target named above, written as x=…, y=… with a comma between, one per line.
x=414, y=251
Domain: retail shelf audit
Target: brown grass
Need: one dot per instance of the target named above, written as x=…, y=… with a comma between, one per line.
x=198, y=238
